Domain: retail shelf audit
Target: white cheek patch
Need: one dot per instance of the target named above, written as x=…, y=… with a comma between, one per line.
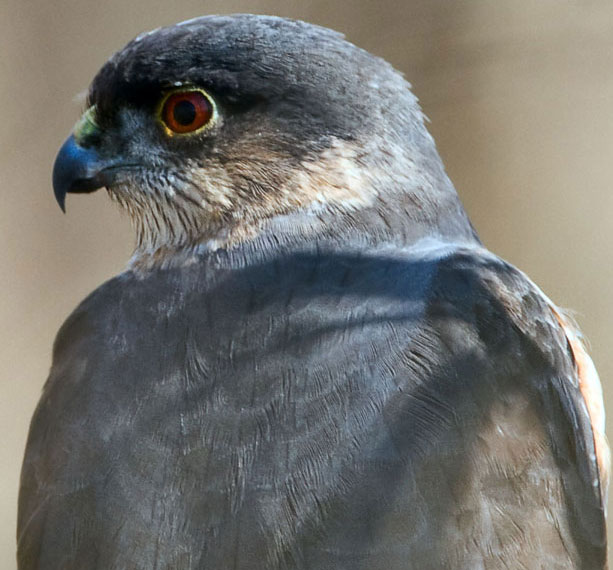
x=215, y=187
x=336, y=178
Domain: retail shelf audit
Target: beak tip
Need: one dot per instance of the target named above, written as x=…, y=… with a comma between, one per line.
x=63, y=172
x=60, y=196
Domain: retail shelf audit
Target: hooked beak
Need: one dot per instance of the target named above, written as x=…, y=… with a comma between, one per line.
x=78, y=166
x=78, y=169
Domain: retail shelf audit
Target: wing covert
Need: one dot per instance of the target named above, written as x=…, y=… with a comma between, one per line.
x=530, y=342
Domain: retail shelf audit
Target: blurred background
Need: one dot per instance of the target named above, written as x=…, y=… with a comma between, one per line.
x=519, y=95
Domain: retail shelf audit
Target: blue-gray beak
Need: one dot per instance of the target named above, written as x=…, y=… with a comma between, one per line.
x=77, y=169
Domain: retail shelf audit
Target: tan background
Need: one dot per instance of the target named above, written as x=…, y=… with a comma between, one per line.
x=520, y=95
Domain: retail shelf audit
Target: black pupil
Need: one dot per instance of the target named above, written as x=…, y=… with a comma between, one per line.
x=184, y=113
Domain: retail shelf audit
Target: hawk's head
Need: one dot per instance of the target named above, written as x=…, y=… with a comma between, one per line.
x=224, y=128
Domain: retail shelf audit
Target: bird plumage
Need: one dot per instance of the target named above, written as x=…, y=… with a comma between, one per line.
x=313, y=362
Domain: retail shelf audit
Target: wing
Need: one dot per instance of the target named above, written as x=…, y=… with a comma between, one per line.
x=48, y=527
x=539, y=453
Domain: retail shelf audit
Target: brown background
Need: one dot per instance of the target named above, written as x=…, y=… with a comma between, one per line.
x=519, y=94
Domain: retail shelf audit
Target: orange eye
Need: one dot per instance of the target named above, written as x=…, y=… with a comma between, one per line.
x=186, y=111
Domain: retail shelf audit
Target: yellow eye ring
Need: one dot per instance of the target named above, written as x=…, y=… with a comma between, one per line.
x=186, y=111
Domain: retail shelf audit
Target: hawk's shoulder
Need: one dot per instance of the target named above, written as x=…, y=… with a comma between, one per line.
x=93, y=318
x=523, y=337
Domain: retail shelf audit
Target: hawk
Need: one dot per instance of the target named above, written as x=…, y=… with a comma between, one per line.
x=311, y=361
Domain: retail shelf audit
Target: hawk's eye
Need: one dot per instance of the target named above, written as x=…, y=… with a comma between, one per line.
x=186, y=111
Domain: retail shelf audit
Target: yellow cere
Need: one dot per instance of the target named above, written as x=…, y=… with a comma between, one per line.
x=86, y=126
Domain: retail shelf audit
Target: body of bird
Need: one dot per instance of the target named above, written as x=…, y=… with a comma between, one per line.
x=311, y=361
